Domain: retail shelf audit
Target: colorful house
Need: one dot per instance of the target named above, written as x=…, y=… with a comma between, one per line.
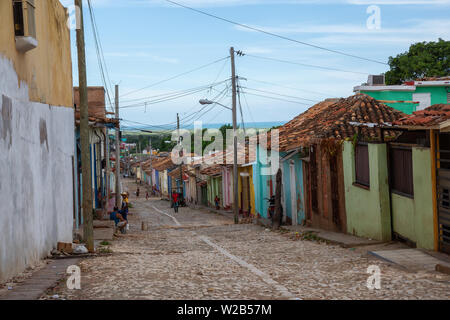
x=99, y=148
x=429, y=139
x=410, y=96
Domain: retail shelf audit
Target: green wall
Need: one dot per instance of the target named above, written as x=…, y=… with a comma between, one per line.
x=368, y=211
x=413, y=218
x=438, y=95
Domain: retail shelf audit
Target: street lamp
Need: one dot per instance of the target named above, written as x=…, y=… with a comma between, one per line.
x=206, y=102
x=235, y=165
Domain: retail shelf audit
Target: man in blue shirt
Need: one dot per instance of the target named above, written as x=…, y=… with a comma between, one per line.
x=119, y=220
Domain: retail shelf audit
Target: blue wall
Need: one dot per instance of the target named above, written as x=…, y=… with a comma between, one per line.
x=299, y=188
x=261, y=185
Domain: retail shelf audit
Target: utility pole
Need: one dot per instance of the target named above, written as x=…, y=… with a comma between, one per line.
x=235, y=164
x=182, y=155
x=118, y=193
x=88, y=228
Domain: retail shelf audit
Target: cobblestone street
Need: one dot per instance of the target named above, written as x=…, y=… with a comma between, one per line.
x=197, y=254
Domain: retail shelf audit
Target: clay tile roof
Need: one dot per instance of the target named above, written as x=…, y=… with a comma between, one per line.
x=176, y=173
x=429, y=117
x=213, y=170
x=163, y=164
x=336, y=118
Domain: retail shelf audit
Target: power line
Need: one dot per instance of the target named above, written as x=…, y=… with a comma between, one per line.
x=175, y=77
x=100, y=57
x=288, y=87
x=274, y=34
x=248, y=107
x=279, y=94
x=168, y=94
x=165, y=99
x=274, y=98
x=304, y=64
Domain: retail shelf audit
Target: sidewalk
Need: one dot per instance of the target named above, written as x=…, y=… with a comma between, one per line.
x=35, y=286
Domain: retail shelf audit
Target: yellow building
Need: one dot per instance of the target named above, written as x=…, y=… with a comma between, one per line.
x=246, y=190
x=37, y=140
x=35, y=37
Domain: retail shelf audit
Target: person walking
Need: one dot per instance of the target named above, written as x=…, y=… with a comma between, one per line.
x=175, y=201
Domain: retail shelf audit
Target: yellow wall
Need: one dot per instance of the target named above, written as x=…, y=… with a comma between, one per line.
x=248, y=170
x=47, y=69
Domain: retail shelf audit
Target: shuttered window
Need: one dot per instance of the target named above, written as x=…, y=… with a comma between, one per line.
x=401, y=171
x=362, y=165
x=31, y=18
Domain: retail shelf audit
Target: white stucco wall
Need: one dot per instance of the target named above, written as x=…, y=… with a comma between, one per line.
x=36, y=182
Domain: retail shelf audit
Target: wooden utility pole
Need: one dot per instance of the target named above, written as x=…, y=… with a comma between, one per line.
x=182, y=155
x=235, y=164
x=88, y=229
x=118, y=193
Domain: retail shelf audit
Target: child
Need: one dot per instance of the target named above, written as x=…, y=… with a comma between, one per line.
x=175, y=201
x=217, y=202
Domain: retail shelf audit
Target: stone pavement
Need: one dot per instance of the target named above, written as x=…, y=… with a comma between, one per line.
x=197, y=255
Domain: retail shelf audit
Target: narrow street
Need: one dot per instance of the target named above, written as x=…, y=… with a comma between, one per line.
x=197, y=254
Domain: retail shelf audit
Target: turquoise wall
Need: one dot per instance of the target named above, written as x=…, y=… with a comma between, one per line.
x=299, y=193
x=438, y=95
x=261, y=185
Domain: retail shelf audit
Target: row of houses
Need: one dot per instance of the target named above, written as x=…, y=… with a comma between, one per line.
x=353, y=165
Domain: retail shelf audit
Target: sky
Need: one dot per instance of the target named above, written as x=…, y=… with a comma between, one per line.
x=148, y=41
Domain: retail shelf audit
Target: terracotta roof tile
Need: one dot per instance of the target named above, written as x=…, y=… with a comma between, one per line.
x=428, y=117
x=334, y=118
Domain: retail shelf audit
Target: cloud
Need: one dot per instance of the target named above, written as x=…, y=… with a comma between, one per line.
x=414, y=26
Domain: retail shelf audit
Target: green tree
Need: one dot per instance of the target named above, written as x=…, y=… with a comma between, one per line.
x=424, y=59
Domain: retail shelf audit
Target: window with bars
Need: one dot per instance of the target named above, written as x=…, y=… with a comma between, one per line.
x=401, y=171
x=24, y=18
x=362, y=170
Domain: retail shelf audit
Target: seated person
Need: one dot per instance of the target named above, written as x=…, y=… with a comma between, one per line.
x=119, y=220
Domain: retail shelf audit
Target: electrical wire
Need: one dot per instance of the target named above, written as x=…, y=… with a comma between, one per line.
x=288, y=87
x=173, y=93
x=304, y=64
x=282, y=95
x=175, y=77
x=100, y=56
x=274, y=98
x=274, y=34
